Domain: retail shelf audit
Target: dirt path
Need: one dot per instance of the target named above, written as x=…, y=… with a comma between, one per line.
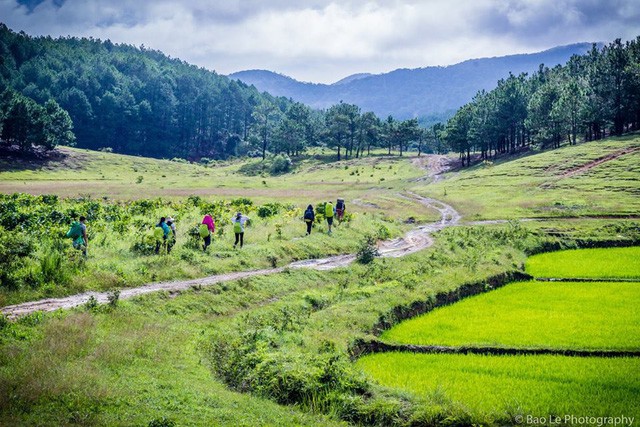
x=434, y=164
x=600, y=161
x=415, y=240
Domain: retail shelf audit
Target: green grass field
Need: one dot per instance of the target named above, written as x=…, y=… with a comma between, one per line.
x=121, y=177
x=548, y=184
x=498, y=389
x=534, y=314
x=601, y=263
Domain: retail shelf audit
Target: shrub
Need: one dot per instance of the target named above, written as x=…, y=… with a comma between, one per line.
x=268, y=210
x=280, y=164
x=113, y=297
x=162, y=422
x=92, y=303
x=53, y=268
x=367, y=251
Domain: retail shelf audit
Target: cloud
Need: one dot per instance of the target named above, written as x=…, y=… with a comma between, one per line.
x=325, y=40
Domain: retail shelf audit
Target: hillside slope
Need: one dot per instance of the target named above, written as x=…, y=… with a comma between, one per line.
x=598, y=178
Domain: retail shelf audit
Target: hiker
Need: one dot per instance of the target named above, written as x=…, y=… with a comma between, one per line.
x=78, y=232
x=171, y=239
x=161, y=233
x=206, y=229
x=328, y=213
x=309, y=217
x=238, y=227
x=340, y=208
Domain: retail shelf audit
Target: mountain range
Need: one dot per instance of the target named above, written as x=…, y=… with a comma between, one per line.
x=431, y=94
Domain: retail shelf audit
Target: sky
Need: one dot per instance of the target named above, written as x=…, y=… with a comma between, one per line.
x=323, y=41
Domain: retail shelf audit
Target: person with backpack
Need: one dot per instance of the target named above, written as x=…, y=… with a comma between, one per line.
x=206, y=229
x=161, y=234
x=328, y=213
x=238, y=222
x=340, y=208
x=78, y=232
x=173, y=236
x=309, y=217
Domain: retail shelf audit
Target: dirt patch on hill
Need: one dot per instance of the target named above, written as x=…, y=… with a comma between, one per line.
x=600, y=161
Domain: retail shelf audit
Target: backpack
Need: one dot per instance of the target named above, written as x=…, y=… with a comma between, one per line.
x=75, y=231
x=340, y=204
x=237, y=227
x=158, y=233
x=308, y=215
x=203, y=230
x=328, y=210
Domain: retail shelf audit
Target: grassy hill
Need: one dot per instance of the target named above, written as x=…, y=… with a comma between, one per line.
x=278, y=349
x=592, y=179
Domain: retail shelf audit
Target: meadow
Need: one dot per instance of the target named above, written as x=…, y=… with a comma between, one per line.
x=563, y=183
x=313, y=179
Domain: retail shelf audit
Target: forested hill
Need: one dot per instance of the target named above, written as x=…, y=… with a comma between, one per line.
x=406, y=93
x=132, y=100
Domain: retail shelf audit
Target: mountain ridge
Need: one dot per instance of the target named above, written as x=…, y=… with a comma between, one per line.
x=426, y=92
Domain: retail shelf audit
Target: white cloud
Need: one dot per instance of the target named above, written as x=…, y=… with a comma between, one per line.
x=325, y=40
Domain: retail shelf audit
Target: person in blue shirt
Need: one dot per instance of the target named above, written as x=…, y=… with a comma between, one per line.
x=166, y=230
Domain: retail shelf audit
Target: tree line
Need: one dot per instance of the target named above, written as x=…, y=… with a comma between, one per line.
x=134, y=100
x=591, y=97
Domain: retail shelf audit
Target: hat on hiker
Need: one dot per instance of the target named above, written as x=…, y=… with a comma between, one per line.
x=169, y=219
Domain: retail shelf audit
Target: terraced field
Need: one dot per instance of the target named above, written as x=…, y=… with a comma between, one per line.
x=559, y=317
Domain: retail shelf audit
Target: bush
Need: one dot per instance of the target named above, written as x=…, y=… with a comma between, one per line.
x=280, y=164
x=162, y=422
x=53, y=268
x=367, y=251
x=268, y=210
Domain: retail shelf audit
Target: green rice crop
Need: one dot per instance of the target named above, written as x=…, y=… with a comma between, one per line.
x=586, y=315
x=509, y=387
x=604, y=263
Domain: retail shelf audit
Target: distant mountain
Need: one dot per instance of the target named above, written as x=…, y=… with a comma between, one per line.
x=405, y=93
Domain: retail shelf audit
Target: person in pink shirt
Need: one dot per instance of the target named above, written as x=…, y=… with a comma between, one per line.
x=211, y=226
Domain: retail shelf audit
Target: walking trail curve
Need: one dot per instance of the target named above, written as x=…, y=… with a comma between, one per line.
x=415, y=240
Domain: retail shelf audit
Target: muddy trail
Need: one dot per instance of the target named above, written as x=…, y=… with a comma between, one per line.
x=415, y=240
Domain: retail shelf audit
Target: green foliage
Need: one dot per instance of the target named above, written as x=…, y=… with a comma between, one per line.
x=91, y=304
x=31, y=126
x=280, y=164
x=368, y=250
x=270, y=209
x=162, y=422
x=590, y=96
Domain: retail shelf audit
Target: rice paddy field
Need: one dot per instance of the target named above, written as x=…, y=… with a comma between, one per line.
x=583, y=315
x=600, y=263
x=506, y=389
x=523, y=389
